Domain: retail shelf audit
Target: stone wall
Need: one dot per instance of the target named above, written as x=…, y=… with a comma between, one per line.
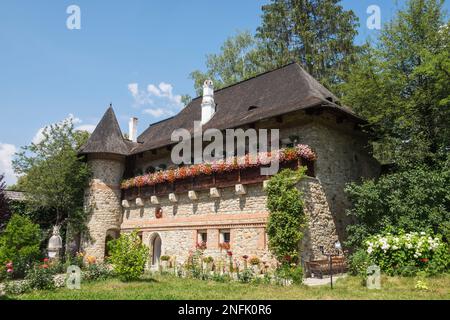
x=342, y=157
x=103, y=202
x=245, y=217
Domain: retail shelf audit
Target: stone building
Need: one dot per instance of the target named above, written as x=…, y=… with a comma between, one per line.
x=226, y=213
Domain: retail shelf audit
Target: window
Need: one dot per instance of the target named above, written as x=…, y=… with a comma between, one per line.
x=150, y=170
x=202, y=238
x=225, y=236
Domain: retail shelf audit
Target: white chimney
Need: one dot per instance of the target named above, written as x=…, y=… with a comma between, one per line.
x=133, y=129
x=208, y=104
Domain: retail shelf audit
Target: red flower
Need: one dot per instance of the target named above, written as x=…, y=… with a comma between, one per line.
x=287, y=258
x=9, y=265
x=46, y=260
x=245, y=257
x=45, y=266
x=230, y=254
x=425, y=260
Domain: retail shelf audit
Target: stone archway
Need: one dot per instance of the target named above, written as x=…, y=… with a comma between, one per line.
x=155, y=249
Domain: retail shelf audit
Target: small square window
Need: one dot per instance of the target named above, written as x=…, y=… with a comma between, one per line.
x=225, y=237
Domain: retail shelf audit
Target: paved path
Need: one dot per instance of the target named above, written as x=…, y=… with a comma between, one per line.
x=321, y=282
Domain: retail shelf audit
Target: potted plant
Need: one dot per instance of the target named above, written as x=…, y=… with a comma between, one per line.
x=254, y=263
x=165, y=261
x=209, y=263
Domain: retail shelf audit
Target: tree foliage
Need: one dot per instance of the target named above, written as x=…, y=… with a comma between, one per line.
x=19, y=243
x=287, y=219
x=402, y=86
x=412, y=200
x=318, y=34
x=239, y=59
x=54, y=177
x=5, y=212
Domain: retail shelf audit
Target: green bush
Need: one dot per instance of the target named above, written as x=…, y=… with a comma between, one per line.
x=40, y=277
x=221, y=277
x=413, y=200
x=16, y=287
x=290, y=272
x=20, y=243
x=408, y=253
x=359, y=262
x=95, y=272
x=128, y=256
x=246, y=276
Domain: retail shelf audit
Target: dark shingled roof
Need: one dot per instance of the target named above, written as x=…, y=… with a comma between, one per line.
x=274, y=93
x=107, y=137
x=287, y=89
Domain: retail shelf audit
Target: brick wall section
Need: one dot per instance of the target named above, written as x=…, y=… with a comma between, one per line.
x=244, y=216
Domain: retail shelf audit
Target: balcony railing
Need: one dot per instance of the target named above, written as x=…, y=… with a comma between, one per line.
x=245, y=176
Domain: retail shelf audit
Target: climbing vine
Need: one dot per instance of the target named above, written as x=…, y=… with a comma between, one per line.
x=287, y=219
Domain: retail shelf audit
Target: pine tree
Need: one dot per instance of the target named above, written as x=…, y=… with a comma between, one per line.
x=319, y=34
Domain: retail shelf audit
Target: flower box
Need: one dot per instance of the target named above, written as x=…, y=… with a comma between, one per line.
x=227, y=179
x=203, y=182
x=163, y=188
x=184, y=185
x=251, y=175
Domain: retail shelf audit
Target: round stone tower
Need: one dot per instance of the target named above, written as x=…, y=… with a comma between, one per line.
x=105, y=152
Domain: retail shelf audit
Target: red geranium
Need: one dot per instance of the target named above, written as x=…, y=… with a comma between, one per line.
x=245, y=257
x=230, y=254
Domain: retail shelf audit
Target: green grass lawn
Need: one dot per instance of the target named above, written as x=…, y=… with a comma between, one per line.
x=172, y=288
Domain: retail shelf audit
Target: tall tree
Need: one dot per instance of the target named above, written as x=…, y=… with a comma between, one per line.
x=55, y=177
x=319, y=34
x=5, y=213
x=402, y=86
x=239, y=59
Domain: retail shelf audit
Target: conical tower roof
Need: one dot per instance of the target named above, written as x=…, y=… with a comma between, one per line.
x=107, y=137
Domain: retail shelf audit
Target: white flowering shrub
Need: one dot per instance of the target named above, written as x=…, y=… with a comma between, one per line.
x=408, y=252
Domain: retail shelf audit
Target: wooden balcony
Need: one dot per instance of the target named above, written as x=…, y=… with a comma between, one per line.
x=204, y=182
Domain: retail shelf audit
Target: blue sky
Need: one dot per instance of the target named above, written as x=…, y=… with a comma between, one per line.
x=136, y=54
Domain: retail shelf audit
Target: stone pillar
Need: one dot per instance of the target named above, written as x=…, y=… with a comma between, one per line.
x=103, y=202
x=321, y=230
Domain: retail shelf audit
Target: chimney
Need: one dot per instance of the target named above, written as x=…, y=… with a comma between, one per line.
x=208, y=104
x=133, y=129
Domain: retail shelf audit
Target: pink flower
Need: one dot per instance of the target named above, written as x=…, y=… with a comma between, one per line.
x=10, y=270
x=9, y=265
x=46, y=260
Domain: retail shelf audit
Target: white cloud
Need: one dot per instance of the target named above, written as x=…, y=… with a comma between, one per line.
x=158, y=112
x=7, y=152
x=76, y=121
x=161, y=95
x=140, y=98
x=86, y=127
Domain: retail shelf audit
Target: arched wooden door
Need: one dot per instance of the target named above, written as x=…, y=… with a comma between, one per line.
x=156, y=250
